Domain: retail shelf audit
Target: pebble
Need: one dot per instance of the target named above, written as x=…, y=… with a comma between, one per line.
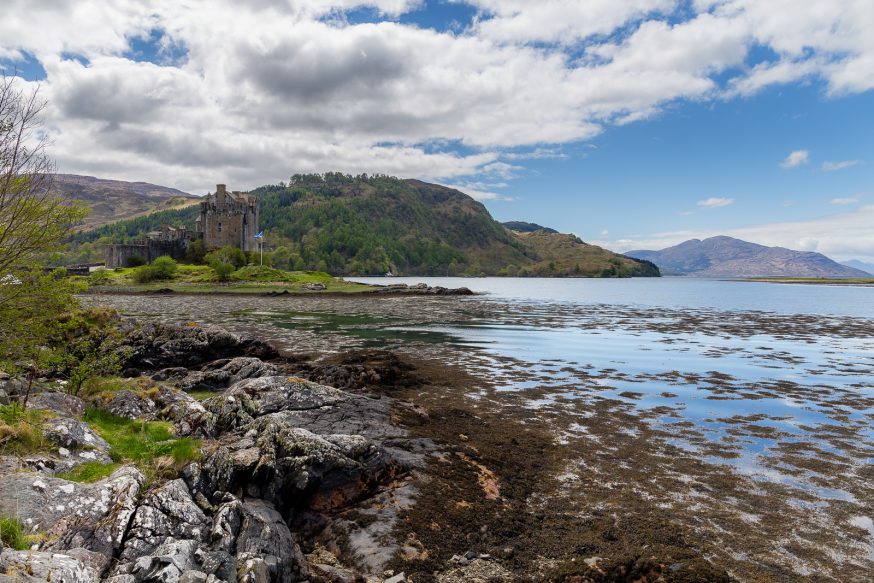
x=399, y=578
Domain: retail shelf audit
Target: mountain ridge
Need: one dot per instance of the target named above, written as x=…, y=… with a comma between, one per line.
x=369, y=225
x=113, y=200
x=724, y=256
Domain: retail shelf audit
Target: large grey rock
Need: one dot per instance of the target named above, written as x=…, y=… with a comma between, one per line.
x=50, y=504
x=73, y=434
x=128, y=404
x=60, y=403
x=256, y=535
x=166, y=514
x=45, y=566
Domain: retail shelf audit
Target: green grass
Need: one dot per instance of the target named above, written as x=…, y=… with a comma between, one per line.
x=21, y=430
x=249, y=279
x=150, y=445
x=89, y=472
x=203, y=395
x=12, y=534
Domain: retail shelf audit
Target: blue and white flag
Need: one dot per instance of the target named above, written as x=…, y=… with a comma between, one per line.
x=260, y=235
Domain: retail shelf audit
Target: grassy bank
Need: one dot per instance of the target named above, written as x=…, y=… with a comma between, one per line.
x=202, y=279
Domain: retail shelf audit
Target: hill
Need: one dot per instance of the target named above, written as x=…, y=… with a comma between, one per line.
x=113, y=200
x=368, y=225
x=729, y=257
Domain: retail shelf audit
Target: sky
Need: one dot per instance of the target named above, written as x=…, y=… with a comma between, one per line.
x=635, y=124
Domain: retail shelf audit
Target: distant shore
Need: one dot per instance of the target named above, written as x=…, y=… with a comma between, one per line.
x=864, y=282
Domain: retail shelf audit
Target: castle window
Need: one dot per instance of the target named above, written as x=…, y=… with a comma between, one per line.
x=219, y=227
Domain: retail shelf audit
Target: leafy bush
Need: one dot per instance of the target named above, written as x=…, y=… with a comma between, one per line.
x=100, y=277
x=165, y=267
x=162, y=268
x=88, y=346
x=227, y=254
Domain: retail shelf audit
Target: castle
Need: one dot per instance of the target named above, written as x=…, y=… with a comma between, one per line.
x=226, y=218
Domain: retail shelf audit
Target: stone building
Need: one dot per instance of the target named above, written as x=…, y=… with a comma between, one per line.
x=172, y=241
x=226, y=218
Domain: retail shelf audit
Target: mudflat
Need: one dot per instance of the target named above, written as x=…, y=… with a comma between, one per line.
x=598, y=440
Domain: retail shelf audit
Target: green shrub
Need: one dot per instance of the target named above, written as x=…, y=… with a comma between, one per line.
x=222, y=270
x=227, y=254
x=162, y=268
x=100, y=277
x=165, y=267
x=144, y=274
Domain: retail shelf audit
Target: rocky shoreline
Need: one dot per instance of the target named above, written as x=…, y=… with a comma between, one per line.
x=299, y=481
x=310, y=289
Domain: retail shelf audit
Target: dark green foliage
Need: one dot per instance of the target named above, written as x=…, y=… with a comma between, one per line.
x=162, y=268
x=135, y=261
x=133, y=229
x=371, y=225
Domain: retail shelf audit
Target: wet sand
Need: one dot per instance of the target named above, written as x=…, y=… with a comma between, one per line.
x=652, y=441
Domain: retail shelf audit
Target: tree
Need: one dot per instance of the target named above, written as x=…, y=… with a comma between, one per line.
x=33, y=219
x=33, y=223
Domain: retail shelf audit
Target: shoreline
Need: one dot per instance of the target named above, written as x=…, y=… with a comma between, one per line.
x=378, y=291
x=811, y=281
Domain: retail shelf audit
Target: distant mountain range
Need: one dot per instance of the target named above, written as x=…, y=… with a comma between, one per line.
x=856, y=264
x=116, y=200
x=729, y=257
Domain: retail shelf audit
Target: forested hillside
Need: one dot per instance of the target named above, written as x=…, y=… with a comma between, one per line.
x=368, y=225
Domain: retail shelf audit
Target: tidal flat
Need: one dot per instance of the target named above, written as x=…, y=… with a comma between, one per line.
x=603, y=434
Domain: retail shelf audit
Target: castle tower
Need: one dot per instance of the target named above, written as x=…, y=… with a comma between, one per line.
x=228, y=218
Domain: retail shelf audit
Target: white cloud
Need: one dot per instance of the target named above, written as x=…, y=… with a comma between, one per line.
x=796, y=159
x=715, y=202
x=266, y=88
x=846, y=200
x=841, y=236
x=834, y=166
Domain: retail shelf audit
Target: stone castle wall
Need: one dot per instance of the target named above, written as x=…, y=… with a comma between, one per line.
x=226, y=218
x=149, y=250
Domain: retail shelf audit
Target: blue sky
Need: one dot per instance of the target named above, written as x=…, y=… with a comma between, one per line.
x=633, y=124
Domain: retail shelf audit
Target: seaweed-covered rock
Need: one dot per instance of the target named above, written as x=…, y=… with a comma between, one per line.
x=223, y=373
x=294, y=468
x=157, y=346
